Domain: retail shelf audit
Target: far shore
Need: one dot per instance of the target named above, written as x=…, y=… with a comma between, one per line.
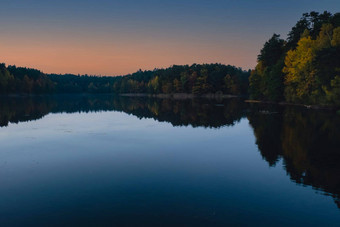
x=181, y=95
x=189, y=96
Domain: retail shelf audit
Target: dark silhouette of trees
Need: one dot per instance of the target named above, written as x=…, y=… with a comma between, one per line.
x=194, y=79
x=266, y=81
x=24, y=80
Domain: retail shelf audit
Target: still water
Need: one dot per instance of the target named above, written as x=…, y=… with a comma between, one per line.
x=108, y=160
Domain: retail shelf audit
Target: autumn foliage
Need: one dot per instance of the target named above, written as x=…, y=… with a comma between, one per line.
x=305, y=68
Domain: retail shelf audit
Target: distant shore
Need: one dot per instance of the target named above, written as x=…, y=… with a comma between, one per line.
x=186, y=96
x=181, y=95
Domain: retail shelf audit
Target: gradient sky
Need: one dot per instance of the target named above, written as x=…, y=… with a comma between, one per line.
x=105, y=37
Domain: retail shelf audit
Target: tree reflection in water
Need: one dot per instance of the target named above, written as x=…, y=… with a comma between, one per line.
x=307, y=141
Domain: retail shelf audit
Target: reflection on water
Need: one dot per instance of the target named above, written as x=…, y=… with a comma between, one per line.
x=306, y=141
x=202, y=112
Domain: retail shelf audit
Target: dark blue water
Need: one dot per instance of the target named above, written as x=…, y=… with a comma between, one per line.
x=101, y=161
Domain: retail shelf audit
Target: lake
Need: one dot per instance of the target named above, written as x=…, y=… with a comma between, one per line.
x=80, y=160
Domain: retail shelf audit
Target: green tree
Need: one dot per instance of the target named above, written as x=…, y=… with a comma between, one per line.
x=266, y=81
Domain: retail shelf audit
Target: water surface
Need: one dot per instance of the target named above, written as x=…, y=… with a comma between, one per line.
x=108, y=160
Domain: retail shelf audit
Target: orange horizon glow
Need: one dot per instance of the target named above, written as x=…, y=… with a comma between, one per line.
x=112, y=57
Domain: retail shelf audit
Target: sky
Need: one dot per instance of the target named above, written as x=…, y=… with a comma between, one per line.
x=107, y=37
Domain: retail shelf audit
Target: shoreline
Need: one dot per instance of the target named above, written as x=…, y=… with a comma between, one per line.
x=315, y=107
x=181, y=95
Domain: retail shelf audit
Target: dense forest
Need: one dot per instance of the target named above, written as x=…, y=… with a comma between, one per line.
x=305, y=68
x=195, y=79
x=23, y=80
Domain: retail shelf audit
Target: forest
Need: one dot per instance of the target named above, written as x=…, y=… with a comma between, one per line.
x=303, y=69
x=195, y=79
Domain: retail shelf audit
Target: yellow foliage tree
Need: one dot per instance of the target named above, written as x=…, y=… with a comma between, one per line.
x=336, y=37
x=300, y=75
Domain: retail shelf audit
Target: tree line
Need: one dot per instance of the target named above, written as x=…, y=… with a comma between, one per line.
x=304, y=68
x=195, y=79
x=23, y=80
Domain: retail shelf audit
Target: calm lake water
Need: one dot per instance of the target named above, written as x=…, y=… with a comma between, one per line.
x=108, y=160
